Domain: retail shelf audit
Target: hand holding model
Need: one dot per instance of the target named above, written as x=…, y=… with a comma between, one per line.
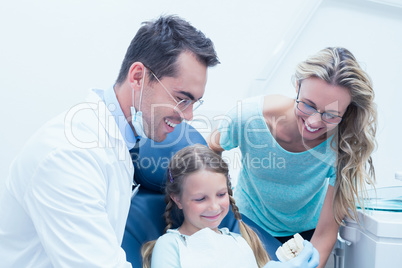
x=295, y=254
x=290, y=249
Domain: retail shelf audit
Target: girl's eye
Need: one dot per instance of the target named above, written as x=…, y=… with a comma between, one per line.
x=199, y=199
x=222, y=194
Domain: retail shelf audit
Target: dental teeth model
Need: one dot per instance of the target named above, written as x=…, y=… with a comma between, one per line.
x=290, y=249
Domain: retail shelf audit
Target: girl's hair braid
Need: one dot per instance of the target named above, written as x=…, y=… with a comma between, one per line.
x=167, y=215
x=248, y=234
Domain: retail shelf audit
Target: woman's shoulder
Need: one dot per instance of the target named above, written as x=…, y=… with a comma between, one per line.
x=277, y=107
x=267, y=105
x=276, y=104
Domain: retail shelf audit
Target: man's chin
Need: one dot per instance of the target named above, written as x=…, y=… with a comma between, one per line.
x=158, y=138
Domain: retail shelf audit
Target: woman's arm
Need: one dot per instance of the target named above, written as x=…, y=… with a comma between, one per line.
x=326, y=232
x=213, y=141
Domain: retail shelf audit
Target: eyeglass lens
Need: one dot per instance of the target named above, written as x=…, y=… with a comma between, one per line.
x=183, y=104
x=327, y=117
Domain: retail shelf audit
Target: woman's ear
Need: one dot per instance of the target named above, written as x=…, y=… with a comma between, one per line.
x=176, y=200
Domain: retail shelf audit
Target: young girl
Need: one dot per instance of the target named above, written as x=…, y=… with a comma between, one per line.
x=198, y=185
x=290, y=147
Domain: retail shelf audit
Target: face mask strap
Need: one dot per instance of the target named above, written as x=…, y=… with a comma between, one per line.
x=142, y=89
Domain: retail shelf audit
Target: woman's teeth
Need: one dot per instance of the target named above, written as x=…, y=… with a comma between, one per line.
x=170, y=123
x=309, y=128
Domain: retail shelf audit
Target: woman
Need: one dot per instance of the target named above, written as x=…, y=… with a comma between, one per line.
x=291, y=146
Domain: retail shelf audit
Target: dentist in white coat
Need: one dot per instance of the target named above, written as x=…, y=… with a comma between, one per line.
x=67, y=196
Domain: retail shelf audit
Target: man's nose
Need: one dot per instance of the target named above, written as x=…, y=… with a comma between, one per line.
x=187, y=114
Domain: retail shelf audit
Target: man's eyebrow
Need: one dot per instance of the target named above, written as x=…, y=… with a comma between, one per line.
x=187, y=94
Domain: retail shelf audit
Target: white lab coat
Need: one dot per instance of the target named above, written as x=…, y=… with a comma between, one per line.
x=68, y=193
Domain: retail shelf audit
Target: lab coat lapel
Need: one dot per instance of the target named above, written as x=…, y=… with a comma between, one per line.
x=108, y=130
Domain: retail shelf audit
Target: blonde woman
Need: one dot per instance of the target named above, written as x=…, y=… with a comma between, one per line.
x=290, y=147
x=198, y=187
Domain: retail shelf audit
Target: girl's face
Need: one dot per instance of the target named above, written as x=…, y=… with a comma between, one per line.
x=324, y=97
x=204, y=201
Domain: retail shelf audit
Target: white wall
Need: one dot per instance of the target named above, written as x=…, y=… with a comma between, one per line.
x=52, y=52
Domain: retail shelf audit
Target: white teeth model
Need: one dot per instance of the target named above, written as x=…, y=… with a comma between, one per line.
x=309, y=128
x=170, y=123
x=290, y=249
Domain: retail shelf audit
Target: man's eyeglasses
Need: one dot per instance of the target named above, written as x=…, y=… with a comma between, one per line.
x=182, y=104
x=309, y=110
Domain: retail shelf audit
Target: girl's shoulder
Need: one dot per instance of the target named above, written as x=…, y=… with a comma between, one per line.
x=237, y=237
x=170, y=236
x=170, y=242
x=166, y=251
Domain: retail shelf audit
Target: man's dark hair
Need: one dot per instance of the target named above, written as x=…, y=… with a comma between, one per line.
x=158, y=44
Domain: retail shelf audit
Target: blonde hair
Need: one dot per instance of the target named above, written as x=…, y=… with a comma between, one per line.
x=185, y=162
x=355, y=137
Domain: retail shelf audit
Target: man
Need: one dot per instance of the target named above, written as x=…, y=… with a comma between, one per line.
x=68, y=193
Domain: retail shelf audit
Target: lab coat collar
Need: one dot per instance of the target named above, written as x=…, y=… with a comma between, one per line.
x=113, y=105
x=108, y=124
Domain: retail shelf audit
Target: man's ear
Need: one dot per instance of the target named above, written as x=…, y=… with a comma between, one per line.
x=136, y=75
x=176, y=200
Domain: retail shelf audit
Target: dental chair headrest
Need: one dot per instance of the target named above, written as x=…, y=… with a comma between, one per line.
x=154, y=157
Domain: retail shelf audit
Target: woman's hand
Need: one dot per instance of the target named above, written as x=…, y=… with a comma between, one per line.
x=308, y=258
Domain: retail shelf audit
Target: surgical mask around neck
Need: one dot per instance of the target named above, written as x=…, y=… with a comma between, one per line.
x=137, y=121
x=136, y=116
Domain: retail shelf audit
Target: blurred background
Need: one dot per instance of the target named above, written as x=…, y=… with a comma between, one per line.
x=53, y=52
